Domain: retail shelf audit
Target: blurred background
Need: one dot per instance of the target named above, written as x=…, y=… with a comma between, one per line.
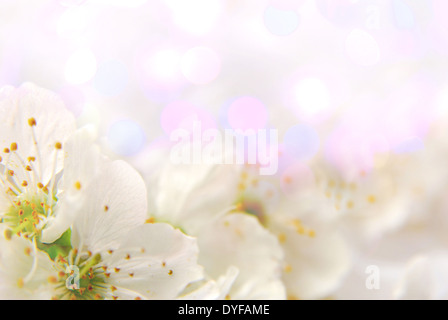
x=129, y=65
x=350, y=79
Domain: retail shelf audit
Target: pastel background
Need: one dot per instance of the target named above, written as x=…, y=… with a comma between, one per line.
x=352, y=79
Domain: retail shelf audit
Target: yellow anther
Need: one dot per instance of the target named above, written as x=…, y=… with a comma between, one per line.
x=350, y=204
x=297, y=223
x=78, y=185
x=150, y=220
x=288, y=268
x=282, y=238
x=28, y=251
x=20, y=283
x=58, y=145
x=300, y=229
x=287, y=179
x=170, y=272
x=31, y=159
x=40, y=185
x=14, y=146
x=8, y=234
x=32, y=122
x=371, y=199
x=311, y=233
x=6, y=150
x=24, y=183
x=239, y=207
x=52, y=279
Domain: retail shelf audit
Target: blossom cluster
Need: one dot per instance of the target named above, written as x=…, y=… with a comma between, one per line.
x=77, y=224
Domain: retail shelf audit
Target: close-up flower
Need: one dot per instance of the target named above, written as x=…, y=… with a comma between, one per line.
x=204, y=208
x=104, y=249
x=37, y=177
x=223, y=150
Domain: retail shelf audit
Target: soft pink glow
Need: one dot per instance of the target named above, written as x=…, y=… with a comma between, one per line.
x=247, y=113
x=184, y=115
x=200, y=65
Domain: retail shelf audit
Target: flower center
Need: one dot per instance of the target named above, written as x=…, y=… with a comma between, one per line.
x=31, y=201
x=81, y=277
x=254, y=208
x=26, y=216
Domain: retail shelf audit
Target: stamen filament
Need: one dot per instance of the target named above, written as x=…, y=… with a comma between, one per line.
x=22, y=162
x=53, y=179
x=39, y=157
x=91, y=262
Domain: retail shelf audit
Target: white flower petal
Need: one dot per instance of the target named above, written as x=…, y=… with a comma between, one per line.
x=81, y=165
x=199, y=191
x=207, y=290
x=425, y=278
x=116, y=203
x=239, y=240
x=211, y=289
x=54, y=123
x=154, y=260
x=17, y=259
x=314, y=265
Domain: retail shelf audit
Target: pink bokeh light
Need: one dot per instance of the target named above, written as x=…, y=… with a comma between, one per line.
x=247, y=113
x=185, y=115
